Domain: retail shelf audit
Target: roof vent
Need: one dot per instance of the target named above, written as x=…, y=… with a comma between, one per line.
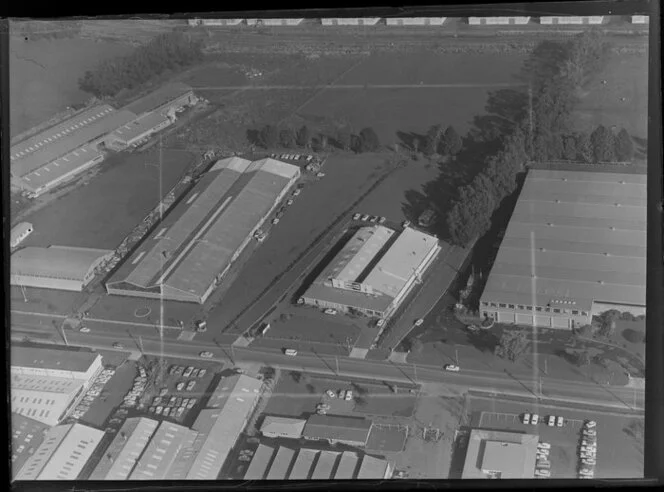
x=600, y=282
x=542, y=249
x=550, y=224
x=606, y=254
x=557, y=201
x=613, y=228
x=617, y=204
x=564, y=179
x=621, y=182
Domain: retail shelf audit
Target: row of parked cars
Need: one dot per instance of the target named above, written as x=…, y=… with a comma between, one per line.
x=280, y=213
x=186, y=372
x=588, y=450
x=174, y=407
x=293, y=157
x=542, y=463
x=92, y=393
x=369, y=218
x=534, y=419
x=140, y=382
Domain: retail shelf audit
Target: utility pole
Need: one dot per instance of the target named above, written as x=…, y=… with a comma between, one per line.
x=540, y=387
x=530, y=107
x=456, y=355
x=415, y=371
x=64, y=334
x=336, y=359
x=546, y=369
x=140, y=344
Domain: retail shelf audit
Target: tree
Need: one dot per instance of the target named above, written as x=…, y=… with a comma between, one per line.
x=432, y=140
x=569, y=151
x=603, y=146
x=624, y=146
x=269, y=136
x=344, y=138
x=287, y=138
x=633, y=336
x=451, y=142
x=584, y=148
x=304, y=137
x=583, y=358
x=323, y=141
x=368, y=140
x=585, y=331
x=513, y=345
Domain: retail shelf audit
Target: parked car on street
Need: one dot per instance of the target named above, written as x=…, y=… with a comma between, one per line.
x=419, y=322
x=331, y=394
x=291, y=352
x=85, y=329
x=525, y=419
x=180, y=386
x=451, y=368
x=206, y=355
x=118, y=345
x=330, y=311
x=349, y=395
x=534, y=420
x=357, y=216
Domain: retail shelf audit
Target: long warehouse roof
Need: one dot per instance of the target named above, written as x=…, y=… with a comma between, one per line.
x=66, y=137
x=197, y=239
x=360, y=250
x=158, y=98
x=62, y=262
x=574, y=236
x=52, y=358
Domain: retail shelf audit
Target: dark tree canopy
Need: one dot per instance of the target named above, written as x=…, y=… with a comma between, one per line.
x=602, y=141
x=304, y=137
x=624, y=146
x=269, y=136
x=432, y=139
x=451, y=142
x=368, y=140
x=344, y=138
x=287, y=138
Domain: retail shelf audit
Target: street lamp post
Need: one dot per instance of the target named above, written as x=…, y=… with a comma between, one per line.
x=336, y=359
x=456, y=355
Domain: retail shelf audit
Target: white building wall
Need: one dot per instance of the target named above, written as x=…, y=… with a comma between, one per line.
x=476, y=21
x=572, y=20
x=44, y=406
x=350, y=21
x=640, y=19
x=415, y=21
x=221, y=22
x=86, y=376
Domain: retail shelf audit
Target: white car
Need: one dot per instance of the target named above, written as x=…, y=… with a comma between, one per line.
x=330, y=311
x=551, y=421
x=380, y=322
x=289, y=201
x=525, y=419
x=297, y=192
x=382, y=220
x=589, y=461
x=357, y=216
x=331, y=394
x=419, y=322
x=365, y=217
x=544, y=445
x=85, y=329
x=590, y=424
x=451, y=368
x=589, y=432
x=588, y=442
x=534, y=420
x=275, y=221
x=405, y=224
x=180, y=386
x=320, y=175
x=349, y=395
x=542, y=473
x=560, y=421
x=291, y=352
x=206, y=355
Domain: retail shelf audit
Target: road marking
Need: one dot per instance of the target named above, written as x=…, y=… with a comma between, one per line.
x=97, y=320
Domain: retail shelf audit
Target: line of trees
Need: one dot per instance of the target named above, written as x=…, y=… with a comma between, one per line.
x=170, y=51
x=555, y=72
x=443, y=142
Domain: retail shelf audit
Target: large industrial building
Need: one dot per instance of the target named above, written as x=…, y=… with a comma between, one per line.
x=274, y=22
x=63, y=453
x=575, y=247
x=333, y=429
x=275, y=427
x=374, y=271
x=415, y=21
x=46, y=383
x=54, y=155
x=27, y=436
x=350, y=21
x=19, y=232
x=164, y=101
x=571, y=19
x=497, y=454
x=123, y=453
x=189, y=253
x=56, y=267
x=497, y=21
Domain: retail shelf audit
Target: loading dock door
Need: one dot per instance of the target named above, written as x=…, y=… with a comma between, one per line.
x=505, y=317
x=544, y=321
x=524, y=319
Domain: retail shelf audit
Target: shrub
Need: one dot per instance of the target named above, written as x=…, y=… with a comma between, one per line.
x=633, y=336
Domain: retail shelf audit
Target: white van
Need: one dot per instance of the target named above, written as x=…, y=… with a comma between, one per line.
x=291, y=352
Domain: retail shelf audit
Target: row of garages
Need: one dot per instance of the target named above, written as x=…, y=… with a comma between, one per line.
x=417, y=21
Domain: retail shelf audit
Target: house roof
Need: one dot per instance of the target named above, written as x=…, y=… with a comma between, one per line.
x=140, y=126
x=337, y=428
x=259, y=463
x=510, y=453
x=372, y=468
x=282, y=425
x=303, y=464
x=19, y=229
x=27, y=436
x=281, y=464
x=358, y=252
x=325, y=465
x=347, y=466
x=583, y=237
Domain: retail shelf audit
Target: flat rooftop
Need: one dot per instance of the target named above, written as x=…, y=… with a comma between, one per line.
x=508, y=454
x=158, y=98
x=358, y=252
x=583, y=237
x=52, y=358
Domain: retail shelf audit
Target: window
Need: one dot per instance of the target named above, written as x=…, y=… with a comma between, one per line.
x=493, y=304
x=511, y=306
x=521, y=307
x=538, y=308
x=574, y=311
x=583, y=313
x=556, y=310
x=502, y=305
x=529, y=308
x=485, y=314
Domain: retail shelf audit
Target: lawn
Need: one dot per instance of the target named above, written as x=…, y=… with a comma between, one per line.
x=300, y=326
x=114, y=202
x=44, y=75
x=295, y=396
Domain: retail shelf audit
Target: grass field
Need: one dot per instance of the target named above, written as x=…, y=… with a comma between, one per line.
x=43, y=79
x=102, y=213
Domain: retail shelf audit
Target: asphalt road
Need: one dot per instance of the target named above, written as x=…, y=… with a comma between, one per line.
x=481, y=380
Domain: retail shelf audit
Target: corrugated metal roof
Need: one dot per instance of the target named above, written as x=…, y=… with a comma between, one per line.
x=281, y=464
x=162, y=452
x=325, y=465
x=229, y=424
x=56, y=261
x=106, y=123
x=42, y=177
x=373, y=468
x=283, y=426
x=568, y=232
x=122, y=454
x=398, y=264
x=376, y=302
x=202, y=235
x=52, y=358
x=347, y=466
x=160, y=97
x=337, y=428
x=360, y=250
x=303, y=464
x=18, y=230
x=139, y=127
x=259, y=463
x=27, y=436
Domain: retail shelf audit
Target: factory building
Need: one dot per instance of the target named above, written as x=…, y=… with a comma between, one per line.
x=350, y=21
x=415, y=21
x=56, y=267
x=640, y=19
x=496, y=454
x=53, y=361
x=19, y=232
x=497, y=21
x=165, y=101
x=276, y=427
x=374, y=271
x=27, y=436
x=191, y=251
x=274, y=22
x=575, y=247
x=335, y=429
x=138, y=130
x=123, y=453
x=52, y=156
x=63, y=453
x=572, y=20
